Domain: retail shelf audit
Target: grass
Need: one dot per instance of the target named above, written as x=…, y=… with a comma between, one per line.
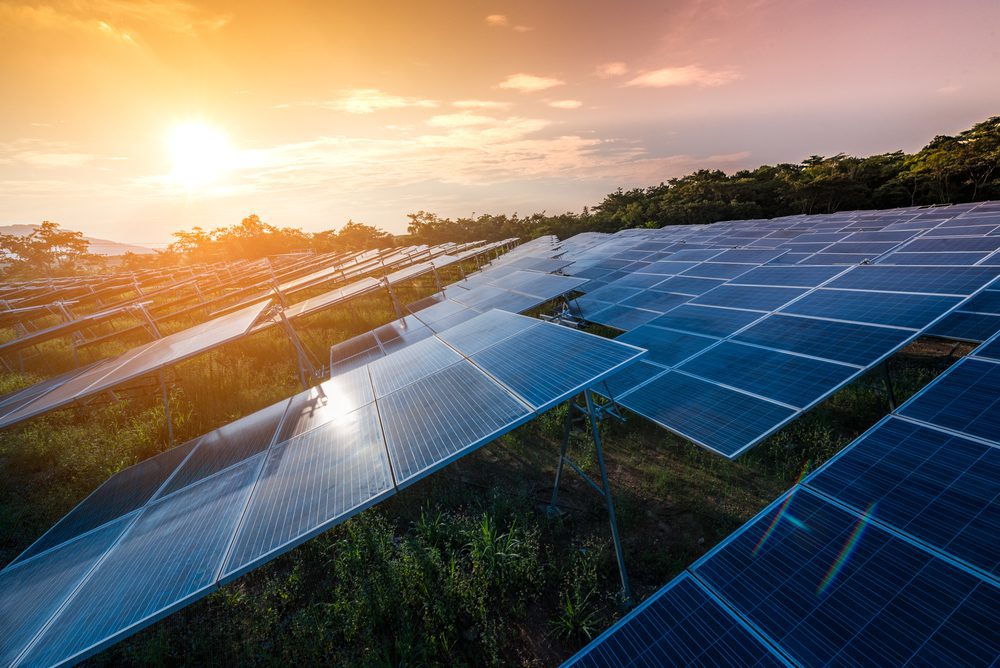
x=463, y=568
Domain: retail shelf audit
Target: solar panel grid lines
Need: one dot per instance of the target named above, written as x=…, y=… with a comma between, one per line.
x=776, y=571
x=683, y=624
x=934, y=487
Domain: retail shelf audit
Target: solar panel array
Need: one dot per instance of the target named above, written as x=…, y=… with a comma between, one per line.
x=169, y=350
x=886, y=555
x=170, y=529
x=505, y=287
x=744, y=339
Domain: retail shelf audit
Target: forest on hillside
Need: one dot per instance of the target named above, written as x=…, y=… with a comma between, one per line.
x=948, y=170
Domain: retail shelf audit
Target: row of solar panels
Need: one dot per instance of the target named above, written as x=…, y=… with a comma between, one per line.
x=171, y=529
x=151, y=357
x=887, y=555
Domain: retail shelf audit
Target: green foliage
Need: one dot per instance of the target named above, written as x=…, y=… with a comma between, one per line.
x=47, y=251
x=963, y=168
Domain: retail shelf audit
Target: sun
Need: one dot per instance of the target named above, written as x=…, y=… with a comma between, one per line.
x=200, y=153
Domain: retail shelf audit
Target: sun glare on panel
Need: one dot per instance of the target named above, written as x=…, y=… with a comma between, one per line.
x=200, y=154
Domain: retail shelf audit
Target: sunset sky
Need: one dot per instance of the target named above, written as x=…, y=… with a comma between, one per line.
x=130, y=120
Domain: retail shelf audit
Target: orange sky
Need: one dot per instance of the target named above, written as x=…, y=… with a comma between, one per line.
x=317, y=112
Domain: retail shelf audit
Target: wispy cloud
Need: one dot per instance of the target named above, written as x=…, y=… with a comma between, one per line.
x=370, y=100
x=689, y=75
x=41, y=153
x=950, y=89
x=118, y=19
x=460, y=120
x=608, y=70
x=566, y=104
x=480, y=104
x=529, y=83
x=501, y=21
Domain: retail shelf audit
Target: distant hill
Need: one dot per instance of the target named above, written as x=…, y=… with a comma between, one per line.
x=97, y=246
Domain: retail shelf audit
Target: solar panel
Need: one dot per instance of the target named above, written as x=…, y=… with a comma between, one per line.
x=879, y=308
x=254, y=489
x=716, y=417
x=680, y=625
x=666, y=347
x=790, y=276
x=966, y=400
x=310, y=482
x=706, y=320
x=831, y=587
x=172, y=551
x=749, y=297
x=790, y=379
x=850, y=343
x=622, y=317
x=931, y=280
x=938, y=487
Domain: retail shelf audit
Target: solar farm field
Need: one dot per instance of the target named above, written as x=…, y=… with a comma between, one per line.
x=603, y=449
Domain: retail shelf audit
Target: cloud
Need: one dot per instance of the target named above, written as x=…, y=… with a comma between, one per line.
x=117, y=19
x=529, y=83
x=689, y=75
x=480, y=104
x=370, y=100
x=608, y=70
x=950, y=89
x=523, y=29
x=40, y=153
x=566, y=104
x=497, y=20
x=460, y=120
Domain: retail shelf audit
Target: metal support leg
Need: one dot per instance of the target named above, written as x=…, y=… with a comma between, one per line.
x=305, y=364
x=392, y=297
x=437, y=279
x=608, y=498
x=564, y=445
x=888, y=385
x=166, y=410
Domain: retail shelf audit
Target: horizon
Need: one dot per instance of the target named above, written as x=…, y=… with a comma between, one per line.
x=135, y=120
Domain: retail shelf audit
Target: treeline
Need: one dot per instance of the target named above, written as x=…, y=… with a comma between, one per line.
x=949, y=170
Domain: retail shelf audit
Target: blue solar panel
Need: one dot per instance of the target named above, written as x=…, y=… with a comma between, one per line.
x=748, y=256
x=338, y=396
x=623, y=317
x=432, y=421
x=641, y=281
x=627, y=379
x=666, y=347
x=831, y=588
x=228, y=445
x=718, y=270
x=964, y=326
x=119, y=495
x=526, y=364
x=611, y=293
x=688, y=285
x=836, y=258
x=722, y=420
x=695, y=254
x=680, y=625
x=991, y=349
x=654, y=300
x=315, y=480
x=488, y=329
x=790, y=379
x=966, y=399
x=749, y=297
x=707, y=320
x=950, y=245
x=792, y=276
x=409, y=364
x=940, y=488
x=172, y=552
x=867, y=248
x=932, y=280
x=881, y=308
x=30, y=593
x=944, y=259
x=839, y=341
x=667, y=268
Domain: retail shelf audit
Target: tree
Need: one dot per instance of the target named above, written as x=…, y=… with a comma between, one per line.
x=48, y=250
